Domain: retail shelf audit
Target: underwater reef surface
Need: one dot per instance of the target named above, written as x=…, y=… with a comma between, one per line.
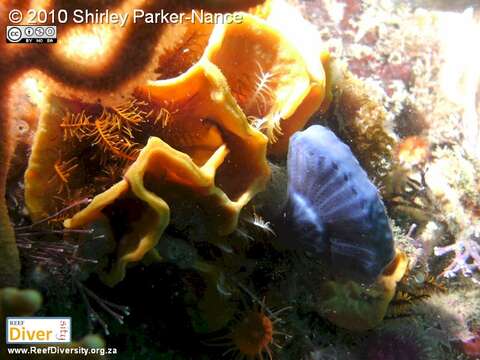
x=302, y=185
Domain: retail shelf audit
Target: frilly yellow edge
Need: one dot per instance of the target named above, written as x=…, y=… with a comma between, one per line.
x=278, y=85
x=161, y=170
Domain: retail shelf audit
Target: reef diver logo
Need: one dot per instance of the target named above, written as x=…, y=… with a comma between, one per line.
x=39, y=330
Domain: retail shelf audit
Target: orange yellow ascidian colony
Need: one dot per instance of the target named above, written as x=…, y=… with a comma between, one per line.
x=189, y=115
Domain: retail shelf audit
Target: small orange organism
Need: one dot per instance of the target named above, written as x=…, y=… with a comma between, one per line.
x=253, y=335
x=63, y=171
x=75, y=125
x=131, y=112
x=163, y=117
x=413, y=150
x=110, y=139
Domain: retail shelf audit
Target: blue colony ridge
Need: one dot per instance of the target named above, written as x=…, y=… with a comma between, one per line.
x=334, y=209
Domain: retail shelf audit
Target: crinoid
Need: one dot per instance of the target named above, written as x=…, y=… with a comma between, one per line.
x=75, y=125
x=113, y=138
x=409, y=295
x=122, y=118
x=112, y=131
x=400, y=306
x=63, y=172
x=76, y=138
x=163, y=117
x=131, y=112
